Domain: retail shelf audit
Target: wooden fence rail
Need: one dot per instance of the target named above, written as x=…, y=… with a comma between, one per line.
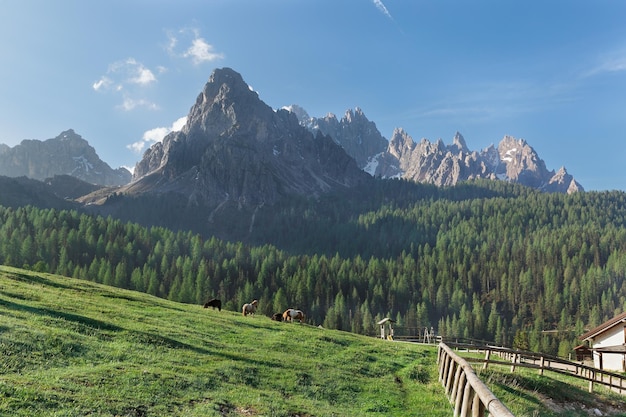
x=541, y=362
x=466, y=391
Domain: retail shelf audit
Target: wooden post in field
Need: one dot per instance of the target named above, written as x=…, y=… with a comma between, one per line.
x=592, y=377
x=487, y=354
x=514, y=360
x=541, y=361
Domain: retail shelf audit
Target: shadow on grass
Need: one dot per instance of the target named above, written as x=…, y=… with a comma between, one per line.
x=519, y=393
x=37, y=279
x=74, y=318
x=138, y=336
x=158, y=302
x=19, y=296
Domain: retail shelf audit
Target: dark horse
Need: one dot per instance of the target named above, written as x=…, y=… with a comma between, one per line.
x=214, y=302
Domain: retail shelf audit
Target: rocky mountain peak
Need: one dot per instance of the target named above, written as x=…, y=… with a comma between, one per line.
x=68, y=135
x=440, y=164
x=355, y=116
x=300, y=113
x=66, y=154
x=521, y=163
x=401, y=143
x=459, y=142
x=226, y=104
x=357, y=135
x=561, y=180
x=235, y=148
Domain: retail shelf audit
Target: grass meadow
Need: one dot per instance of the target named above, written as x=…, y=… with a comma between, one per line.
x=70, y=347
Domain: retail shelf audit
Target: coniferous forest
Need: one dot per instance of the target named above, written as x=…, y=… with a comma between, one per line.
x=484, y=260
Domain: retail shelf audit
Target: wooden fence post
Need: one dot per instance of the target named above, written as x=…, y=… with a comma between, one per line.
x=487, y=354
x=478, y=408
x=450, y=377
x=458, y=402
x=514, y=361
x=541, y=361
x=457, y=381
x=467, y=393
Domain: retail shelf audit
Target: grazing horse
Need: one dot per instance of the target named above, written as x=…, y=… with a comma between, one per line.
x=215, y=303
x=292, y=314
x=277, y=317
x=249, y=308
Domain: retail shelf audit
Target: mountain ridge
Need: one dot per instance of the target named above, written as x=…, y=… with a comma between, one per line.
x=228, y=108
x=66, y=154
x=512, y=160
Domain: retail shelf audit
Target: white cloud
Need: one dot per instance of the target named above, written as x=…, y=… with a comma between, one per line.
x=128, y=78
x=156, y=135
x=144, y=76
x=199, y=50
x=131, y=71
x=130, y=104
x=102, y=84
x=179, y=124
x=379, y=4
x=131, y=169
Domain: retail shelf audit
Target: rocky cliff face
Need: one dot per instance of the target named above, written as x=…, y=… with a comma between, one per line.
x=357, y=135
x=235, y=148
x=435, y=162
x=67, y=154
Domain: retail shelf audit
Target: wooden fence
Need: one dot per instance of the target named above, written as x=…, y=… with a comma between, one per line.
x=542, y=362
x=466, y=391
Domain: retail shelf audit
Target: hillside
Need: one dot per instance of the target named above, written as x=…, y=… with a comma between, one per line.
x=470, y=260
x=70, y=347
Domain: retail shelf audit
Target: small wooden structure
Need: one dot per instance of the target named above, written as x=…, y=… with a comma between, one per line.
x=386, y=328
x=429, y=336
x=583, y=353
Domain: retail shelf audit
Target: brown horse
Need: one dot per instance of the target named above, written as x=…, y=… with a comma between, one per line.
x=292, y=314
x=215, y=303
x=249, y=308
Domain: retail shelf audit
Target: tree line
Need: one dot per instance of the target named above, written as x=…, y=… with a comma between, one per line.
x=485, y=260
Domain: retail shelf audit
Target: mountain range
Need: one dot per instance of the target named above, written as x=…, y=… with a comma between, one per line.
x=513, y=160
x=236, y=155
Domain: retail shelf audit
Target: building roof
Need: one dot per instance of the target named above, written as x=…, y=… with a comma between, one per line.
x=612, y=349
x=604, y=327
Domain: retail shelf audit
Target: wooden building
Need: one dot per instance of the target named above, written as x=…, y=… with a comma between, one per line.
x=608, y=344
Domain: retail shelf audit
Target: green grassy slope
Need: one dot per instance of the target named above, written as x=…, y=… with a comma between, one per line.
x=73, y=348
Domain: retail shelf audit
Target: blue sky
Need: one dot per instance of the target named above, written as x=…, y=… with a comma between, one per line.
x=122, y=73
